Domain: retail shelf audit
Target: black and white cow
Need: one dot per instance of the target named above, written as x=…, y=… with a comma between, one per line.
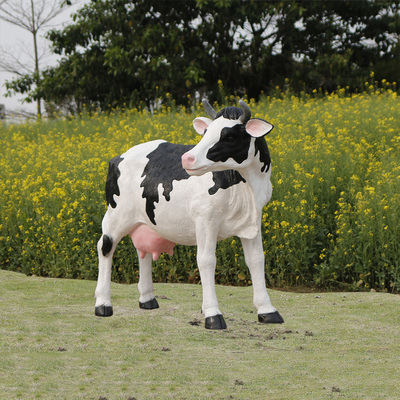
x=161, y=194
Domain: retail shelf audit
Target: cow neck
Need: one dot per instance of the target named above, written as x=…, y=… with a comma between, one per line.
x=257, y=176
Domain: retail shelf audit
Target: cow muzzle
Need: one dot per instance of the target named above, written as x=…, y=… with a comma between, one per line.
x=189, y=164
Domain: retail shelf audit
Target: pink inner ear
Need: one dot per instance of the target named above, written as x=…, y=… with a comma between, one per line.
x=200, y=125
x=258, y=127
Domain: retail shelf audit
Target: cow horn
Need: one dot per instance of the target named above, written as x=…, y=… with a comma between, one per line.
x=246, y=112
x=209, y=110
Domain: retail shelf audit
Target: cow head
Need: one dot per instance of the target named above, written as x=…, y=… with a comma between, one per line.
x=228, y=140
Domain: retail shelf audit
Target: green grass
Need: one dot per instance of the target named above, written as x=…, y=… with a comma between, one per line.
x=332, y=345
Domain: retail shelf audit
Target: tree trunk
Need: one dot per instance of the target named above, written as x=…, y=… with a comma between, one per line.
x=34, y=32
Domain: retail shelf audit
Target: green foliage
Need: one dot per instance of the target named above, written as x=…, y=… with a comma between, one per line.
x=332, y=221
x=120, y=52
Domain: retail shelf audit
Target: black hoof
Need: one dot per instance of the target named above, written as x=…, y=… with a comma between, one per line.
x=149, y=305
x=103, y=311
x=271, y=318
x=215, y=322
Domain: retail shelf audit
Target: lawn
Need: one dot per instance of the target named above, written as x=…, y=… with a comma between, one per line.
x=332, y=345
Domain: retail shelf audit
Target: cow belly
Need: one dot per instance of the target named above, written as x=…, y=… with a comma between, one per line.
x=228, y=212
x=146, y=240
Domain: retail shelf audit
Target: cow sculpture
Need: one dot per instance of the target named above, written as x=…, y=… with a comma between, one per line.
x=161, y=194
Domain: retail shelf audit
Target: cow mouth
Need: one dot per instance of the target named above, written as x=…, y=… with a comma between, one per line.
x=194, y=170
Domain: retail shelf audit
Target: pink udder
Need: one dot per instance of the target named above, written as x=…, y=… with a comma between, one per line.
x=147, y=241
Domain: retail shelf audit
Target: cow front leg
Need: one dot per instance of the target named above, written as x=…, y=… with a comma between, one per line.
x=206, y=262
x=147, y=301
x=254, y=256
x=105, y=248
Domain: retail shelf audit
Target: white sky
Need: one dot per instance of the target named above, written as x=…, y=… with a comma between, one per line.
x=13, y=38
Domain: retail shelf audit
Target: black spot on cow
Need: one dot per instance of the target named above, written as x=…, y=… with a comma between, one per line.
x=262, y=148
x=111, y=182
x=165, y=166
x=225, y=179
x=107, y=245
x=234, y=143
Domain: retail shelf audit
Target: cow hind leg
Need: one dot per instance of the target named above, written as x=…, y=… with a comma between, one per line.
x=147, y=301
x=105, y=248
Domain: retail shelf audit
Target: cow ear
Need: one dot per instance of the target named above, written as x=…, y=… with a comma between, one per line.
x=257, y=127
x=200, y=124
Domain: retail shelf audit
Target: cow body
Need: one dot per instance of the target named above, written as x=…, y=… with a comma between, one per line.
x=163, y=194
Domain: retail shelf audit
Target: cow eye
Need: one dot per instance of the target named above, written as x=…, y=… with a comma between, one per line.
x=229, y=135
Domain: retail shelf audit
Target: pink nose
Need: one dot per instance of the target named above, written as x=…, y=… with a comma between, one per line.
x=188, y=160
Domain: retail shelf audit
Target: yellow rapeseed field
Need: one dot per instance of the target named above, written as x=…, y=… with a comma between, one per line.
x=333, y=220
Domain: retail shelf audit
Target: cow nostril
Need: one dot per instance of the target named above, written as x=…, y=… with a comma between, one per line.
x=188, y=159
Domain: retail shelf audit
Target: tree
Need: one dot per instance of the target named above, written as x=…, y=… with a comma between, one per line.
x=317, y=44
x=117, y=50
x=124, y=52
x=31, y=15
x=346, y=40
